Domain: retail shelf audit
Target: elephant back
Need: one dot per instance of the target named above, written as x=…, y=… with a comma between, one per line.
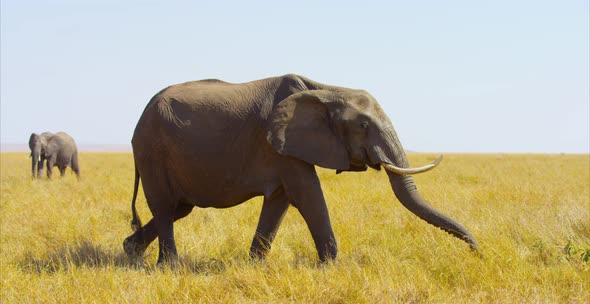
x=62, y=143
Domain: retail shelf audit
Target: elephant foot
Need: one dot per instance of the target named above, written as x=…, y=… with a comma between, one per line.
x=258, y=250
x=133, y=248
x=258, y=256
x=169, y=262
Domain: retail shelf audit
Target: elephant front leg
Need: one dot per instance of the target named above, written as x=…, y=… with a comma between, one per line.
x=50, y=163
x=273, y=211
x=303, y=190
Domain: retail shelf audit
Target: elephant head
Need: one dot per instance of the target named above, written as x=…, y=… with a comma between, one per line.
x=347, y=130
x=38, y=146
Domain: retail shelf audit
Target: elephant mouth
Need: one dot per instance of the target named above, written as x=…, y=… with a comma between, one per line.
x=353, y=168
x=369, y=162
x=359, y=166
x=356, y=166
x=375, y=166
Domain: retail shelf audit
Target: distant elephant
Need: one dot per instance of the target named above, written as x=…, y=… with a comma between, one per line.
x=215, y=144
x=58, y=149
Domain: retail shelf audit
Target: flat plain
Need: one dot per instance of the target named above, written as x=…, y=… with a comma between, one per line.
x=60, y=240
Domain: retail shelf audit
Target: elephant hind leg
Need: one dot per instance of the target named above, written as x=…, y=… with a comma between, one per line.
x=164, y=223
x=167, y=253
x=136, y=244
x=273, y=211
x=166, y=205
x=62, y=170
x=75, y=165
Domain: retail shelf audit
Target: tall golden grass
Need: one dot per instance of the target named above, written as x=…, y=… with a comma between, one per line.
x=60, y=240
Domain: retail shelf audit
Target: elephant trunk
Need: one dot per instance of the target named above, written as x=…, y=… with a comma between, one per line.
x=390, y=152
x=35, y=156
x=406, y=192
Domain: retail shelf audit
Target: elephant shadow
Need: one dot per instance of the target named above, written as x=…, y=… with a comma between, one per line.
x=87, y=254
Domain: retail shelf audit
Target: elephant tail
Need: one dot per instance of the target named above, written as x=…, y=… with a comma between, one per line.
x=135, y=222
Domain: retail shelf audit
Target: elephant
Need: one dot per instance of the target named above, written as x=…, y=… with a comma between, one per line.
x=58, y=149
x=211, y=143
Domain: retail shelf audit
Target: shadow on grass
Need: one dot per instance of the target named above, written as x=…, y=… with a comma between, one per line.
x=86, y=254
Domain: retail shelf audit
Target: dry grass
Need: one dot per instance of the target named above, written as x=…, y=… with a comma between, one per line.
x=60, y=240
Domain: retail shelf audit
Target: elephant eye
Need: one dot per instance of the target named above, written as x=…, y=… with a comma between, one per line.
x=364, y=124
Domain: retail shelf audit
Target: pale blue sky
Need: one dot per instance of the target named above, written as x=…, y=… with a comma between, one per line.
x=453, y=76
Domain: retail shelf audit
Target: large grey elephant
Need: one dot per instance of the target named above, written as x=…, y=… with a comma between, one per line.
x=57, y=149
x=215, y=144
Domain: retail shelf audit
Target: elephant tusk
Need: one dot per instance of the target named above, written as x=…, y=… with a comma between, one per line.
x=410, y=171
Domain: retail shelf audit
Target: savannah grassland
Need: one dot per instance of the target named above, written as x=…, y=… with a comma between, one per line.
x=60, y=240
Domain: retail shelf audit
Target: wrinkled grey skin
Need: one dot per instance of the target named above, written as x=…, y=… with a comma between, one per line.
x=57, y=149
x=215, y=144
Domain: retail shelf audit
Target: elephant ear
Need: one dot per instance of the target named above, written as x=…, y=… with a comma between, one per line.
x=300, y=126
x=34, y=138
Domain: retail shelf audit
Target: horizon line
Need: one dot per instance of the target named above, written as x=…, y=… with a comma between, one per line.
x=20, y=147
x=12, y=147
